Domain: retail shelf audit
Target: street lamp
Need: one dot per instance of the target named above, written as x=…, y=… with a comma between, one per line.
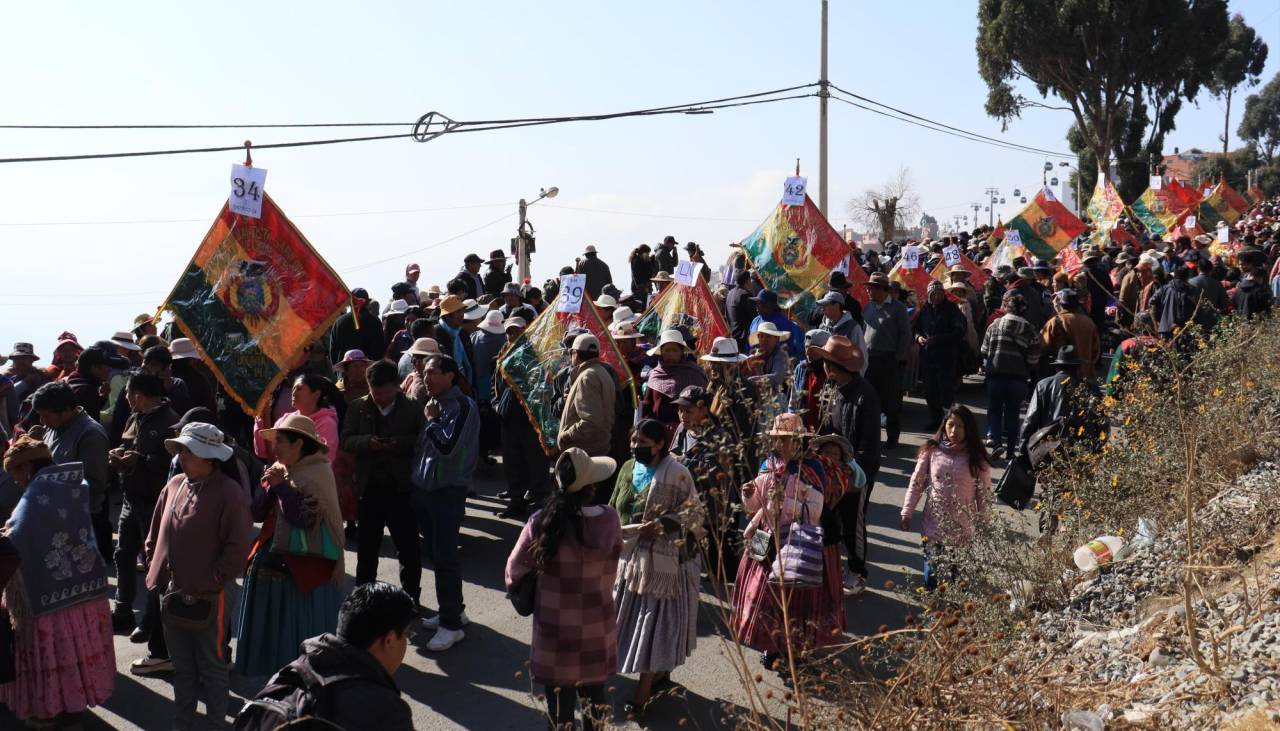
x=1077, y=172
x=523, y=241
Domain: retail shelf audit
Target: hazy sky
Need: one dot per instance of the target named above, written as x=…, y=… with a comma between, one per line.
x=708, y=178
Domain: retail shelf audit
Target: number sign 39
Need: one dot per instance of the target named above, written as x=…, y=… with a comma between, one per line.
x=246, y=190
x=571, y=288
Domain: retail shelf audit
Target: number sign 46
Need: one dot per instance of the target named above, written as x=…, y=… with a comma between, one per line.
x=246, y=190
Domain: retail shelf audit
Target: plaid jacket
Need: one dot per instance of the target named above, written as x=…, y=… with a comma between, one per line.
x=1011, y=347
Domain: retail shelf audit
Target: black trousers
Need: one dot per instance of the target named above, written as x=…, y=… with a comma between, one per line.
x=562, y=702
x=885, y=376
x=524, y=464
x=135, y=524
x=101, y=521
x=853, y=519
x=939, y=388
x=382, y=506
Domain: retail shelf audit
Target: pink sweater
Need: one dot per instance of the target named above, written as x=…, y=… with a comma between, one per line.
x=955, y=496
x=770, y=511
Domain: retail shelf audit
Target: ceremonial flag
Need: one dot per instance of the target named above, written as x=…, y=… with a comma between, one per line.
x=1184, y=196
x=1045, y=225
x=794, y=251
x=536, y=366
x=917, y=280
x=1004, y=254
x=693, y=307
x=253, y=297
x=1157, y=210
x=1238, y=205
x=1255, y=194
x=1215, y=208
x=1069, y=260
x=857, y=283
x=1121, y=235
x=1104, y=209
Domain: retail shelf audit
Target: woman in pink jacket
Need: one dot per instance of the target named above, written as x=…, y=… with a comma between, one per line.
x=954, y=470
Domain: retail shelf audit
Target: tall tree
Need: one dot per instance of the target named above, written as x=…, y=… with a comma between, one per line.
x=1244, y=55
x=1261, y=121
x=888, y=208
x=1098, y=56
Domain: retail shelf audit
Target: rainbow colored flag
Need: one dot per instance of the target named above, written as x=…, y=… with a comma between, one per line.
x=1005, y=254
x=794, y=252
x=253, y=297
x=693, y=307
x=1045, y=226
x=536, y=366
x=1158, y=209
x=1255, y=194
x=917, y=280
x=977, y=275
x=1215, y=208
x=1104, y=209
x=1237, y=204
x=1185, y=196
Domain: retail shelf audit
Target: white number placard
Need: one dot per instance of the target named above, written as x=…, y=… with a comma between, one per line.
x=687, y=272
x=1189, y=222
x=1013, y=237
x=793, y=191
x=951, y=255
x=911, y=257
x=571, y=288
x=1157, y=182
x=246, y=190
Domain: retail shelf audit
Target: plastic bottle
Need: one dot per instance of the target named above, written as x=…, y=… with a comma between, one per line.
x=1101, y=550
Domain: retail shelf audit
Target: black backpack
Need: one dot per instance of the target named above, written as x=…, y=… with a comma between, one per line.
x=297, y=691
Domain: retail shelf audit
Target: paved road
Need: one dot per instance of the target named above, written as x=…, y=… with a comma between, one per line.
x=479, y=684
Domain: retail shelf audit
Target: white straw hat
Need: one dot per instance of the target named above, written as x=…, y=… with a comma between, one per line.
x=724, y=350
x=204, y=440
x=669, y=337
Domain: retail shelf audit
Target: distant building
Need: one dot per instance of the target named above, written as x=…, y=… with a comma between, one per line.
x=1182, y=165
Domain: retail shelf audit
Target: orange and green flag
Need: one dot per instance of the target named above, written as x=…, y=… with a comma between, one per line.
x=1215, y=208
x=1238, y=205
x=693, y=307
x=1104, y=209
x=1158, y=209
x=794, y=252
x=1255, y=194
x=1045, y=226
x=253, y=297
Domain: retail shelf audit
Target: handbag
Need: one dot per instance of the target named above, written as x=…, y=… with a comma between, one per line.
x=183, y=611
x=760, y=547
x=1017, y=485
x=1046, y=439
x=800, y=560
x=522, y=594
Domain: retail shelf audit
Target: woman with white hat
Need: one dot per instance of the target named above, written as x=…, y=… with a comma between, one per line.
x=570, y=550
x=197, y=544
x=486, y=342
x=292, y=589
x=674, y=372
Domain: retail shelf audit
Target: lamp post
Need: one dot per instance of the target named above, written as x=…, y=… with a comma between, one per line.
x=524, y=232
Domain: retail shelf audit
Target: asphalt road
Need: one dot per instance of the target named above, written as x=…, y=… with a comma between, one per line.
x=481, y=683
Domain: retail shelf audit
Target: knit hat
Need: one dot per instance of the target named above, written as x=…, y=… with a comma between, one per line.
x=25, y=449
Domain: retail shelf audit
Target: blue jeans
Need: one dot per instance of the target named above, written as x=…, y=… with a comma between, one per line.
x=1005, y=395
x=934, y=563
x=440, y=514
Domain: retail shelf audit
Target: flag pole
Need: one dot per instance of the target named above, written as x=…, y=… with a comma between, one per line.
x=824, y=92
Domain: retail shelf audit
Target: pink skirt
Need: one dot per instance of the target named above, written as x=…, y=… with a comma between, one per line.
x=816, y=617
x=67, y=664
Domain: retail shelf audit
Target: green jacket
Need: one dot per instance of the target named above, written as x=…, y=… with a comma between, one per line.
x=363, y=422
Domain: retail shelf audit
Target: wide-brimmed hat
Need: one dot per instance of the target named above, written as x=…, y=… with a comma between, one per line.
x=768, y=328
x=513, y=289
x=957, y=284
x=1066, y=357
x=840, y=350
x=351, y=356
x=625, y=316
x=67, y=338
x=1042, y=267
x=511, y=322
x=1203, y=239
x=958, y=270
x=575, y=469
x=450, y=304
x=1026, y=273
x=845, y=447
x=296, y=424
x=788, y=425
x=878, y=279
x=496, y=255
x=140, y=321
x=606, y=301
x=591, y=249
x=475, y=310
x=124, y=340
x=624, y=331
x=204, y=440
x=397, y=307
x=1091, y=255
x=669, y=337
x=24, y=350
x=424, y=347
x=434, y=290
x=661, y=277
x=493, y=323
x=724, y=350
x=183, y=349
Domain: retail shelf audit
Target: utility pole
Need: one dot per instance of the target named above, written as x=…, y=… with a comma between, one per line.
x=522, y=246
x=992, y=196
x=824, y=92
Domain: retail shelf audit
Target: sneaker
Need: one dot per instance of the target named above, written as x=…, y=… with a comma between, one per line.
x=514, y=512
x=433, y=622
x=854, y=584
x=151, y=666
x=139, y=636
x=443, y=639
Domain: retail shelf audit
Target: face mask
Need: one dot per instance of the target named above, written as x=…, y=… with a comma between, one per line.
x=643, y=455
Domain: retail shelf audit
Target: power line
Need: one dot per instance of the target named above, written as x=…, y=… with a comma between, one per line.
x=428, y=247
x=942, y=127
x=204, y=126
x=137, y=222
x=649, y=215
x=188, y=151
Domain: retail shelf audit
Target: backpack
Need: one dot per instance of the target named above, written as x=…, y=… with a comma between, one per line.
x=297, y=691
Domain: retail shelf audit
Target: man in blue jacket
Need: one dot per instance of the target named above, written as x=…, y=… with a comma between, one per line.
x=444, y=462
x=770, y=311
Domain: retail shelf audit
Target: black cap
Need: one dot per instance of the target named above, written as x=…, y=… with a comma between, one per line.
x=197, y=415
x=767, y=296
x=472, y=257
x=693, y=396
x=360, y=293
x=98, y=355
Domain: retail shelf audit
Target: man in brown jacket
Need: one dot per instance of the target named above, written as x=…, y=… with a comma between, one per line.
x=1069, y=326
x=587, y=419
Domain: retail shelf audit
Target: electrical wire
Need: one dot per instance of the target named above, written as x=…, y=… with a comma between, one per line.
x=206, y=220
x=930, y=124
x=428, y=247
x=153, y=153
x=649, y=215
x=205, y=126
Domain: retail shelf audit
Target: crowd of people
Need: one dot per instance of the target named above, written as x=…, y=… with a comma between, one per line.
x=750, y=464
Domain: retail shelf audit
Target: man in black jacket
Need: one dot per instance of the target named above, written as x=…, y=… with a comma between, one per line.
x=939, y=330
x=367, y=337
x=381, y=429
x=345, y=678
x=667, y=256
x=854, y=413
x=741, y=308
x=499, y=274
x=596, y=271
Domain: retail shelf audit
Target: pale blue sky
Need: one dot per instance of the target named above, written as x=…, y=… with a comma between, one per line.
x=324, y=61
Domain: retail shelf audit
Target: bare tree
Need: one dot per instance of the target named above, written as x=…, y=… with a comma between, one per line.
x=888, y=208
